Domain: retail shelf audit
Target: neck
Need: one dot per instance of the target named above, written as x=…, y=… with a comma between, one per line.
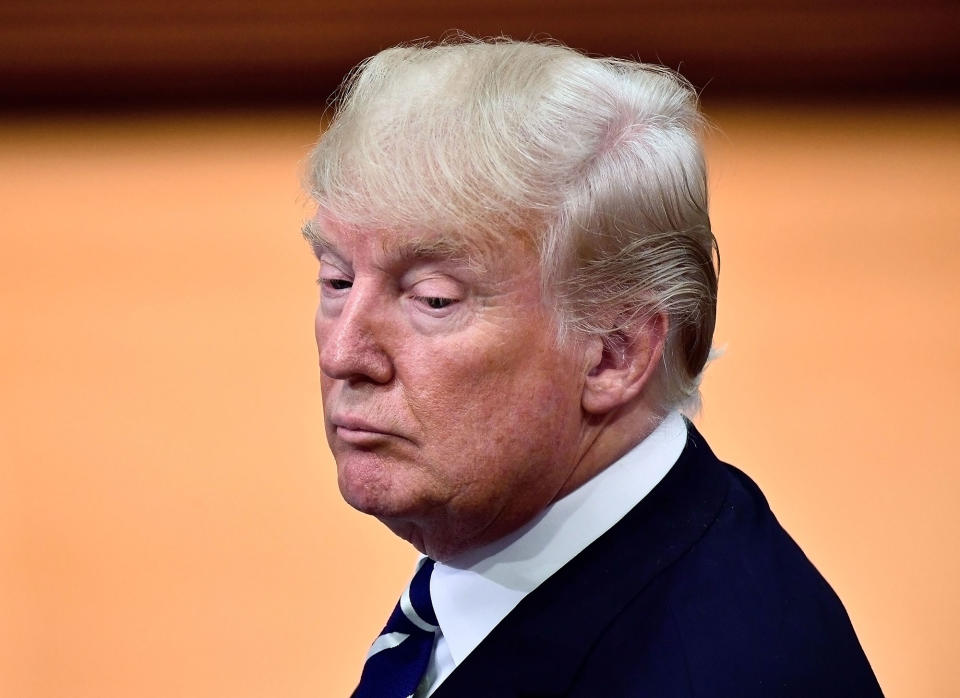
x=608, y=438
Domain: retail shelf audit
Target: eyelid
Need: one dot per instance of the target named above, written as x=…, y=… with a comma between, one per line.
x=333, y=266
x=439, y=285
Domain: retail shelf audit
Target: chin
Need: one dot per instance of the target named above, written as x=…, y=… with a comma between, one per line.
x=396, y=514
x=366, y=488
x=363, y=496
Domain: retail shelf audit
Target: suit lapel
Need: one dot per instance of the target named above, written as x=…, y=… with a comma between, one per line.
x=539, y=647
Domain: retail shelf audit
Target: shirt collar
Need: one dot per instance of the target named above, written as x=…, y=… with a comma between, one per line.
x=474, y=591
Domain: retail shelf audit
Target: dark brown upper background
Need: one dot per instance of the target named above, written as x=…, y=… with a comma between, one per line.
x=115, y=52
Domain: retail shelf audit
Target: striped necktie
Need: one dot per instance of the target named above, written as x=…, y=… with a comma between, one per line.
x=397, y=659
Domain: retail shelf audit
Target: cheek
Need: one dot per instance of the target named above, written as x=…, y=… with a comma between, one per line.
x=318, y=332
x=488, y=402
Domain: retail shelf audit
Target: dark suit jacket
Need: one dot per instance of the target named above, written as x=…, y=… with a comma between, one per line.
x=697, y=591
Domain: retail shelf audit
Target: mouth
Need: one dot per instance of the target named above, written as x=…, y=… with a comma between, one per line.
x=355, y=430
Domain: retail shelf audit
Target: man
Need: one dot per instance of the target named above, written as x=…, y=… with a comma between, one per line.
x=517, y=295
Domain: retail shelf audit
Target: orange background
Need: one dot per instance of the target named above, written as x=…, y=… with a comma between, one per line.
x=169, y=519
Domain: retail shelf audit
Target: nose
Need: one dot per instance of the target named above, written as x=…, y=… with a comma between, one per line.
x=350, y=341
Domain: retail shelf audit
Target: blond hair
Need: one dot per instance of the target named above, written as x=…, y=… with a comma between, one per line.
x=596, y=160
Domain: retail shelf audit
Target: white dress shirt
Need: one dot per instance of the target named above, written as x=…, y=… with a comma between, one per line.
x=474, y=591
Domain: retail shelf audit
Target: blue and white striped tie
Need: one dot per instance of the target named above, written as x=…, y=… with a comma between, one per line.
x=397, y=659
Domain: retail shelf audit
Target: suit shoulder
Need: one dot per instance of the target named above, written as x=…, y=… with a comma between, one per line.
x=742, y=612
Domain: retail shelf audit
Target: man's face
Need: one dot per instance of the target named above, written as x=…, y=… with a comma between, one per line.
x=453, y=414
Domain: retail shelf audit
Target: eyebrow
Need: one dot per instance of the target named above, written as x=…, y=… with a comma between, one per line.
x=457, y=250
x=312, y=235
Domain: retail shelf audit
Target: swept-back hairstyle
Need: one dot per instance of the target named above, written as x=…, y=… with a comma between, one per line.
x=596, y=161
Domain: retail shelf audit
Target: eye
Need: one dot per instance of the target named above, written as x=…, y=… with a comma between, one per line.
x=332, y=279
x=336, y=284
x=433, y=294
x=434, y=302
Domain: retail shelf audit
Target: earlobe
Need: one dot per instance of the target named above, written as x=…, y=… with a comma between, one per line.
x=621, y=364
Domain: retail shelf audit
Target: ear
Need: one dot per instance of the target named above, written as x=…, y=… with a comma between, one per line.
x=621, y=364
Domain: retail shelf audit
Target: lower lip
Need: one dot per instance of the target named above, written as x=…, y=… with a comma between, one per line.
x=361, y=437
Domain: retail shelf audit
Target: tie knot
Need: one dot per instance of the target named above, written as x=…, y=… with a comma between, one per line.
x=397, y=659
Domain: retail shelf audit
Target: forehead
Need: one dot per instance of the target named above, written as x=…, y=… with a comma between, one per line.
x=481, y=253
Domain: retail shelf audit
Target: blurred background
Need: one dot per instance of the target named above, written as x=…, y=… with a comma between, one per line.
x=169, y=518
